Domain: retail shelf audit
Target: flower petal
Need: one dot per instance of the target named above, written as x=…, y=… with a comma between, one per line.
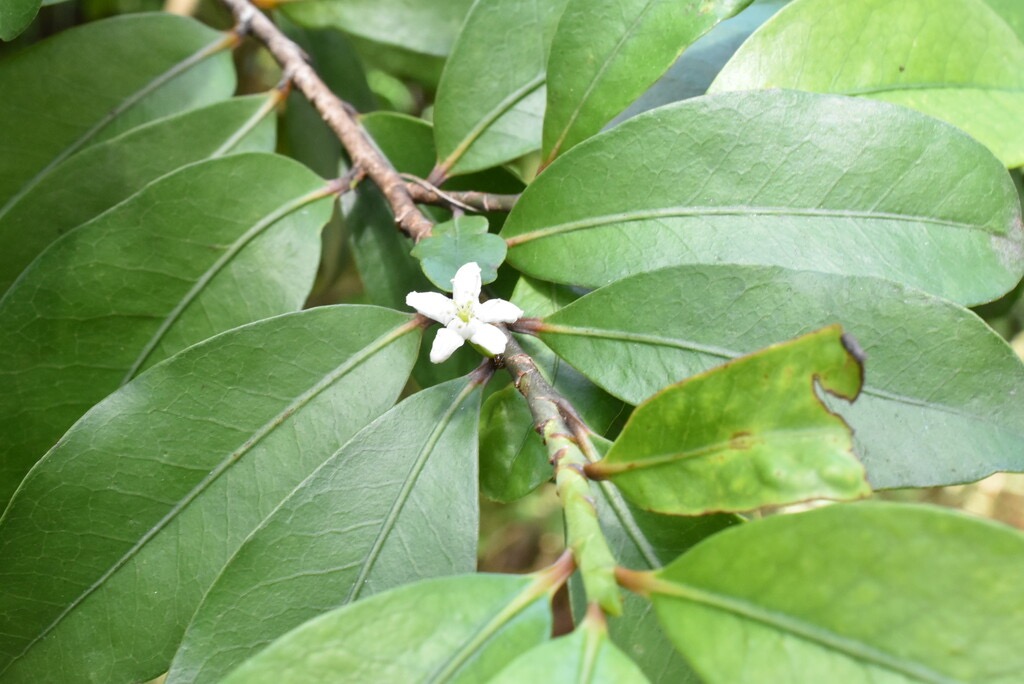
x=498, y=311
x=432, y=305
x=445, y=343
x=489, y=338
x=466, y=284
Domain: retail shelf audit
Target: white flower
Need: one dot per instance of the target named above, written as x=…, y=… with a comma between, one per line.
x=464, y=317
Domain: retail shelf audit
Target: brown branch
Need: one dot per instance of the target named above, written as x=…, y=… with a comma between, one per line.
x=425, y=192
x=339, y=115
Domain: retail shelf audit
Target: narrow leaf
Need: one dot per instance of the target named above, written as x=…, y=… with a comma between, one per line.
x=200, y=448
x=747, y=434
x=777, y=178
x=899, y=52
x=941, y=399
x=397, y=504
x=869, y=592
x=586, y=655
x=456, y=629
x=99, y=177
x=207, y=248
x=490, y=102
x=606, y=53
x=126, y=71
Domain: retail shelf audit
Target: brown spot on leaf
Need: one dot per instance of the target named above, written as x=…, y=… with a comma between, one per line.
x=741, y=439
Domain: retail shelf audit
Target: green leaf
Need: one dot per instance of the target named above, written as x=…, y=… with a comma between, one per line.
x=513, y=460
x=641, y=539
x=397, y=504
x=869, y=592
x=899, y=52
x=1012, y=12
x=212, y=246
x=427, y=27
x=747, y=434
x=15, y=16
x=458, y=242
x=782, y=178
x=586, y=655
x=490, y=102
x=134, y=513
x=454, y=629
x=693, y=72
x=102, y=79
x=99, y=177
x=606, y=53
x=941, y=396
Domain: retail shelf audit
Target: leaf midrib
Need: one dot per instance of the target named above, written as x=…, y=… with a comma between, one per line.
x=728, y=355
x=126, y=104
x=233, y=250
x=412, y=476
x=612, y=466
x=898, y=87
x=736, y=210
x=258, y=436
x=575, y=113
x=503, y=107
x=826, y=638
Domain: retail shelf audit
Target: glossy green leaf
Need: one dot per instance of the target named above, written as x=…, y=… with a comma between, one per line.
x=102, y=79
x=862, y=593
x=15, y=16
x=644, y=540
x=212, y=246
x=99, y=177
x=455, y=629
x=693, y=72
x=397, y=504
x=941, y=400
x=201, y=448
x=777, y=178
x=746, y=434
x=427, y=27
x=956, y=60
x=586, y=655
x=490, y=102
x=455, y=243
x=606, y=53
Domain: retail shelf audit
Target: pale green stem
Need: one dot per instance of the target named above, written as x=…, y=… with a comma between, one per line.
x=582, y=529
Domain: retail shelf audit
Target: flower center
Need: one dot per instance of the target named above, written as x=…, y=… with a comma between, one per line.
x=464, y=311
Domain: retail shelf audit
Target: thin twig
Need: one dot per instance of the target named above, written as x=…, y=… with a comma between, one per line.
x=425, y=192
x=339, y=115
